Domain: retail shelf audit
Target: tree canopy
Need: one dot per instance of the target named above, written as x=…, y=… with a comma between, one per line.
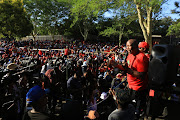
x=84, y=19
x=14, y=20
x=174, y=29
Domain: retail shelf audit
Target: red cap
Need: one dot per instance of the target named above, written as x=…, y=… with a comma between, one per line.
x=143, y=45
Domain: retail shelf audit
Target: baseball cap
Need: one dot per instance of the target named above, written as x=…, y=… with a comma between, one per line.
x=34, y=94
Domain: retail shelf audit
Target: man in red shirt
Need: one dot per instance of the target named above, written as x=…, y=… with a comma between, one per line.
x=136, y=68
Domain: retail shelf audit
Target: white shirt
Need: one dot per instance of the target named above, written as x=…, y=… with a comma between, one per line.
x=43, y=70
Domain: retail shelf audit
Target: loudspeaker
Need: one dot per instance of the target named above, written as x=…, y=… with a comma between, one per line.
x=163, y=67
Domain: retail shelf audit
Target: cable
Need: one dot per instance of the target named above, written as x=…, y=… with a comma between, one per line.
x=108, y=94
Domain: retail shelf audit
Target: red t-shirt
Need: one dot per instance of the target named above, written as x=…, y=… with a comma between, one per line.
x=66, y=51
x=138, y=63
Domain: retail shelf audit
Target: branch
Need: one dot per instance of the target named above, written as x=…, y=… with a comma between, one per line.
x=141, y=21
x=81, y=30
x=145, y=23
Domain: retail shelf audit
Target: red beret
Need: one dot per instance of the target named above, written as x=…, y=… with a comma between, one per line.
x=143, y=45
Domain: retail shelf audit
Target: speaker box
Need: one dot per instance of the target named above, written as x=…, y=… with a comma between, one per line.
x=163, y=66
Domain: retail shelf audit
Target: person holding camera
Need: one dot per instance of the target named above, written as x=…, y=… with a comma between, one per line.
x=136, y=66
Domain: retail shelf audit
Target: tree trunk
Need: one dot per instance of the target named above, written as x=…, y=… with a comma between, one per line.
x=34, y=36
x=120, y=34
x=85, y=34
x=141, y=22
x=146, y=25
x=149, y=27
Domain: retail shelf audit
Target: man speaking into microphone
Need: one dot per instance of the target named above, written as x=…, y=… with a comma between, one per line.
x=136, y=66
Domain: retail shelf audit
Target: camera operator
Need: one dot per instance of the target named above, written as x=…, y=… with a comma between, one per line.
x=136, y=68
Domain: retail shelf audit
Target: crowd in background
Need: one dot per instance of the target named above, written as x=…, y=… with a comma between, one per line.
x=88, y=62
x=74, y=76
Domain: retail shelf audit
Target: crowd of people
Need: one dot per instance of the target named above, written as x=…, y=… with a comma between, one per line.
x=75, y=79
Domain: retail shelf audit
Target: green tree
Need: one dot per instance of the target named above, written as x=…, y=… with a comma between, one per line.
x=47, y=15
x=177, y=9
x=161, y=26
x=33, y=8
x=146, y=9
x=53, y=14
x=14, y=20
x=174, y=29
x=85, y=12
x=123, y=17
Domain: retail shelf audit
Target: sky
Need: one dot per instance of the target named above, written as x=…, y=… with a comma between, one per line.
x=166, y=10
x=167, y=7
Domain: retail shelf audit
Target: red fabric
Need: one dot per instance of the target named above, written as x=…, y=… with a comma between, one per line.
x=151, y=93
x=40, y=52
x=93, y=56
x=143, y=45
x=48, y=74
x=138, y=63
x=66, y=51
x=5, y=56
x=102, y=70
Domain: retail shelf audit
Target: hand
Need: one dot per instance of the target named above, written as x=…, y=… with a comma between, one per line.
x=91, y=114
x=125, y=66
x=111, y=91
